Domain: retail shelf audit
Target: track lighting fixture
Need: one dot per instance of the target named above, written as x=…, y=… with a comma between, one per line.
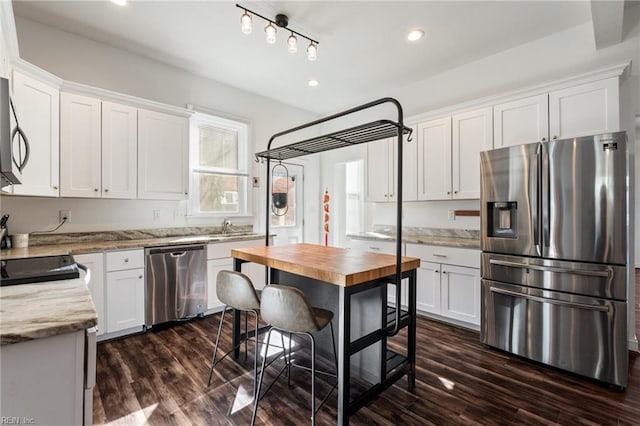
x=270, y=30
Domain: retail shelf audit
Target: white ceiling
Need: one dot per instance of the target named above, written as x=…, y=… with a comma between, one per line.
x=363, y=52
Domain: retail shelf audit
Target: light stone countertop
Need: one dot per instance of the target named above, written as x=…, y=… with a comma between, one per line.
x=94, y=246
x=35, y=311
x=433, y=240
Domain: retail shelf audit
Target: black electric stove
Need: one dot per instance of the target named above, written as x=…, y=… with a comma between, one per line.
x=38, y=269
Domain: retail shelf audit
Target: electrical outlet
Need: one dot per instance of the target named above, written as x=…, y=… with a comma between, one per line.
x=256, y=181
x=156, y=215
x=65, y=214
x=178, y=213
x=452, y=215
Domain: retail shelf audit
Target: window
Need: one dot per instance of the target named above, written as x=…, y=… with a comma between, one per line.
x=219, y=166
x=354, y=189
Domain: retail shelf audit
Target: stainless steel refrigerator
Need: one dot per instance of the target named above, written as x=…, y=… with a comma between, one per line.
x=554, y=238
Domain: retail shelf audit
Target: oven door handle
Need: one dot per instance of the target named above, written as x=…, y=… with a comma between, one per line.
x=551, y=301
x=605, y=274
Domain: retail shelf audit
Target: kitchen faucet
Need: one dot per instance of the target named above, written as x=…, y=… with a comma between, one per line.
x=226, y=223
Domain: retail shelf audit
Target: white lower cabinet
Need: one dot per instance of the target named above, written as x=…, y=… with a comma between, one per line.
x=219, y=258
x=386, y=247
x=449, y=290
x=124, y=290
x=95, y=264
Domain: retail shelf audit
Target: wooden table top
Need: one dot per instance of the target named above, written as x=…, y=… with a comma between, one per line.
x=343, y=267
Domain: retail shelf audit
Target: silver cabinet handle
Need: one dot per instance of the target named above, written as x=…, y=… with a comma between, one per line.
x=55, y=187
x=551, y=301
x=139, y=277
x=544, y=139
x=555, y=137
x=605, y=274
x=439, y=255
x=126, y=260
x=106, y=190
x=95, y=189
x=374, y=248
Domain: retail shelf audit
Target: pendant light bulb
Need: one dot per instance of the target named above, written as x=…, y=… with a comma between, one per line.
x=245, y=23
x=270, y=31
x=292, y=44
x=312, y=52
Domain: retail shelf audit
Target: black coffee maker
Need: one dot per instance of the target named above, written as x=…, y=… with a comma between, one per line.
x=5, y=241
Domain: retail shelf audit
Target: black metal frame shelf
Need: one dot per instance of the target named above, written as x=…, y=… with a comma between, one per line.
x=393, y=367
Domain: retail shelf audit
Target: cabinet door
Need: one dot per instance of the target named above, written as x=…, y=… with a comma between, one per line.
x=409, y=168
x=95, y=263
x=163, y=156
x=428, y=287
x=461, y=293
x=38, y=109
x=472, y=133
x=521, y=121
x=434, y=159
x=213, y=267
x=80, y=151
x=586, y=109
x=256, y=273
x=125, y=299
x=378, y=170
x=119, y=151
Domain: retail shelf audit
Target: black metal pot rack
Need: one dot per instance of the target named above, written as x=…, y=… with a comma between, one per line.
x=396, y=366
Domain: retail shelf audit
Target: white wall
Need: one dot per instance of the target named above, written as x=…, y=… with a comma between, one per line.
x=84, y=61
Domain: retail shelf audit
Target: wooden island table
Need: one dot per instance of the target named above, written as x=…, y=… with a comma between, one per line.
x=353, y=284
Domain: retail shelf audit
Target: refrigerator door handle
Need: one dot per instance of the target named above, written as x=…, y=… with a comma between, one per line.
x=535, y=194
x=605, y=274
x=551, y=301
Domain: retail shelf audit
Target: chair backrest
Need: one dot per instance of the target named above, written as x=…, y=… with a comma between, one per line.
x=287, y=308
x=236, y=290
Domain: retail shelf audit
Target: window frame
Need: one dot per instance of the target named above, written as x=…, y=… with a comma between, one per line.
x=242, y=128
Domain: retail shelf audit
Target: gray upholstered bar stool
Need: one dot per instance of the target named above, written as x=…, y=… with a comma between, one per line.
x=236, y=291
x=287, y=310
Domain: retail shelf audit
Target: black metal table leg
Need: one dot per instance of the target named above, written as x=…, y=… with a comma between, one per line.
x=411, y=333
x=344, y=358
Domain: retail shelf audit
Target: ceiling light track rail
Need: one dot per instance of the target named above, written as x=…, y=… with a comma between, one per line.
x=282, y=21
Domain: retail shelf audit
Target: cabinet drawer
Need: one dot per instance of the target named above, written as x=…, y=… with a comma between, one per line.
x=387, y=247
x=222, y=250
x=124, y=259
x=446, y=255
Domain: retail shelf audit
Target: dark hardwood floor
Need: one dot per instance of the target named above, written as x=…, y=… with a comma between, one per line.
x=159, y=378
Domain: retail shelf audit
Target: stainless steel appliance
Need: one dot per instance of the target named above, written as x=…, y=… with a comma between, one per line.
x=555, y=254
x=176, y=283
x=11, y=162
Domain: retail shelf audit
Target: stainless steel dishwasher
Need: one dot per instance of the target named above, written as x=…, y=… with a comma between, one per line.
x=176, y=283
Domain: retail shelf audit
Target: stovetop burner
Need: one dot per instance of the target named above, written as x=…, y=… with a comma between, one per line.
x=38, y=269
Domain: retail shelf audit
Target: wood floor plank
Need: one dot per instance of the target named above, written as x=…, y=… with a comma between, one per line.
x=159, y=378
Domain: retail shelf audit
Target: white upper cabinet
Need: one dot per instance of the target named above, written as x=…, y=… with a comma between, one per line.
x=472, y=133
x=379, y=162
x=521, y=121
x=586, y=109
x=381, y=170
x=434, y=159
x=98, y=148
x=163, y=156
x=119, y=150
x=38, y=111
x=80, y=146
x=449, y=155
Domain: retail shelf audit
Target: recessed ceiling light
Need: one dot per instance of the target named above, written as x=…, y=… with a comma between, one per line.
x=313, y=82
x=415, y=35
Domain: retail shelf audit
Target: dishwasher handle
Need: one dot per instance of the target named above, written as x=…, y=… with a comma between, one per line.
x=178, y=253
x=175, y=251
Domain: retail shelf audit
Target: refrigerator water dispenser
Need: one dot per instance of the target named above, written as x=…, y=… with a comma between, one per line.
x=502, y=219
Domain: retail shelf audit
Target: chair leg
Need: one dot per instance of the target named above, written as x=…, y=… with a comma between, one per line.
x=246, y=334
x=215, y=349
x=313, y=379
x=255, y=357
x=289, y=363
x=257, y=395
